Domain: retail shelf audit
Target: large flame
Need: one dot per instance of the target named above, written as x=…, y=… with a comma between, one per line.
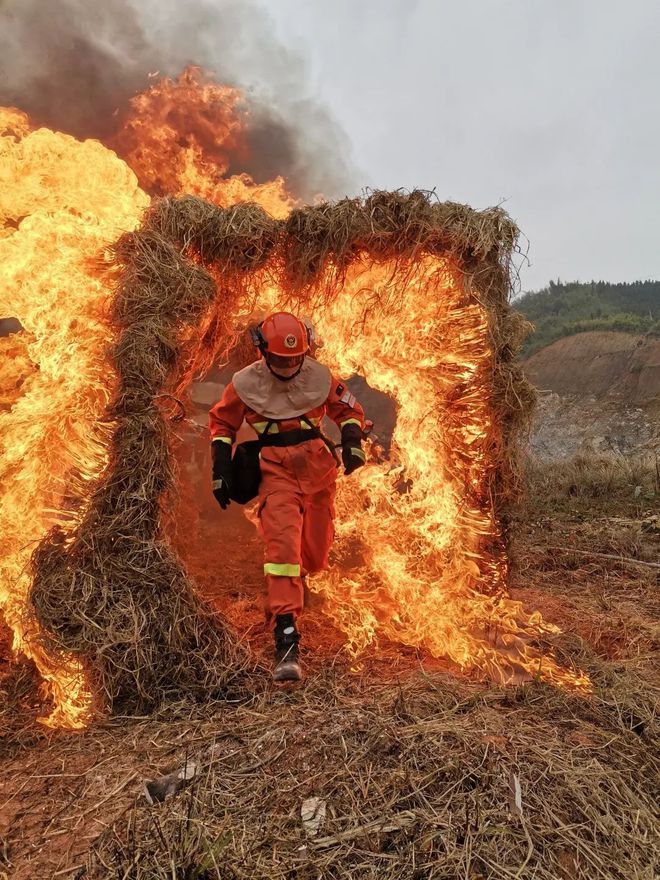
x=410, y=535
x=182, y=136
x=423, y=520
x=61, y=203
x=420, y=556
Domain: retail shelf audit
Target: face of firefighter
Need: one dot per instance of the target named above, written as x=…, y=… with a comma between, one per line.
x=285, y=367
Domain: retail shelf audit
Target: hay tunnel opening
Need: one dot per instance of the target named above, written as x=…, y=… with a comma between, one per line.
x=414, y=535
x=408, y=293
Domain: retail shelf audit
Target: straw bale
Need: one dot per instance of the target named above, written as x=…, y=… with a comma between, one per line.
x=400, y=224
x=126, y=607
x=112, y=592
x=315, y=235
x=239, y=238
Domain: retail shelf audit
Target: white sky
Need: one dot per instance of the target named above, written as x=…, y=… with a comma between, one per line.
x=552, y=106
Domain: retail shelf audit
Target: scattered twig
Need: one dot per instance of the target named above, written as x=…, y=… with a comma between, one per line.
x=625, y=559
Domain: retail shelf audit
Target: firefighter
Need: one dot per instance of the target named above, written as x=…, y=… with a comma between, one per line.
x=283, y=396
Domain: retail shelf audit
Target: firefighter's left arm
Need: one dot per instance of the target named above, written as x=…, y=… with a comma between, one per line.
x=344, y=410
x=225, y=418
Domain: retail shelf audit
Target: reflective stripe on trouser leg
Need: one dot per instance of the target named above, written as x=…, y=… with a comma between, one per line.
x=318, y=529
x=281, y=524
x=283, y=569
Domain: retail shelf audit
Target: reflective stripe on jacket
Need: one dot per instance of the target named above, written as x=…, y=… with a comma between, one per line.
x=227, y=416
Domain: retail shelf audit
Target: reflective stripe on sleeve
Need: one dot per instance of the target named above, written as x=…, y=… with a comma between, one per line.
x=351, y=422
x=358, y=452
x=282, y=569
x=222, y=439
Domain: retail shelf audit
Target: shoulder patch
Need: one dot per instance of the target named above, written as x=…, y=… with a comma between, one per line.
x=339, y=390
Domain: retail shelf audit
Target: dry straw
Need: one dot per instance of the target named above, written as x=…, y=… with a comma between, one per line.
x=112, y=592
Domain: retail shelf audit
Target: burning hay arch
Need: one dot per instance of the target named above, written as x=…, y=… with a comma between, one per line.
x=409, y=292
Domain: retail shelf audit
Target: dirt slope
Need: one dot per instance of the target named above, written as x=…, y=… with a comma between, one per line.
x=599, y=392
x=600, y=364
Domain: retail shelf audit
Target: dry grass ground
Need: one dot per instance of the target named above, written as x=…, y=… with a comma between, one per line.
x=423, y=773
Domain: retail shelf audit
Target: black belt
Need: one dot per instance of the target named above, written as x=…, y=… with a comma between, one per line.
x=288, y=438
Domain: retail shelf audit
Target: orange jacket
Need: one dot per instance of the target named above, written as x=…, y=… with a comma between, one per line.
x=227, y=416
x=309, y=465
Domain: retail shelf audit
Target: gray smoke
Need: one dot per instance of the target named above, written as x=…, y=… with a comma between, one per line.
x=74, y=64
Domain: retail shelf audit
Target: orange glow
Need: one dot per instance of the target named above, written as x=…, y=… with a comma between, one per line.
x=420, y=559
x=61, y=203
x=180, y=136
x=423, y=519
x=419, y=555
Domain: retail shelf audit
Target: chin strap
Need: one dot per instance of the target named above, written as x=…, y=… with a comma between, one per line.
x=284, y=378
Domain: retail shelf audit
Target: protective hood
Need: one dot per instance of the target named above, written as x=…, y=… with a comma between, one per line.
x=270, y=397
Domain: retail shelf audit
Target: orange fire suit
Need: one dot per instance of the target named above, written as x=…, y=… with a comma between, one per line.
x=297, y=489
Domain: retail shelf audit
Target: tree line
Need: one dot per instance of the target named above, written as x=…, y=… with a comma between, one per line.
x=562, y=309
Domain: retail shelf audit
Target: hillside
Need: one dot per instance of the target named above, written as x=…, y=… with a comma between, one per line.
x=565, y=309
x=599, y=364
x=600, y=392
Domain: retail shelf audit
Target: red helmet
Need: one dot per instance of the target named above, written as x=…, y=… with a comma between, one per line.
x=284, y=336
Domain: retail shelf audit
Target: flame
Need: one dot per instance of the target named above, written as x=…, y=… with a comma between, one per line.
x=182, y=135
x=62, y=203
x=431, y=569
x=420, y=556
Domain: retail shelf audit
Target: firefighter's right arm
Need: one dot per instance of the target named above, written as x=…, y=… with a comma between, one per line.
x=225, y=418
x=344, y=410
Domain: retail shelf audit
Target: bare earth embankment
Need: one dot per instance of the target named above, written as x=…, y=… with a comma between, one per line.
x=599, y=392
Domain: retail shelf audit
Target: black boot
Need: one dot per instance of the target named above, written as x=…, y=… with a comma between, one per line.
x=287, y=663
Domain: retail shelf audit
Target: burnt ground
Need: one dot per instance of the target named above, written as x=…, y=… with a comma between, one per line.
x=421, y=772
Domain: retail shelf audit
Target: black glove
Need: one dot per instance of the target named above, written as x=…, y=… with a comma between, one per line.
x=351, y=448
x=221, y=456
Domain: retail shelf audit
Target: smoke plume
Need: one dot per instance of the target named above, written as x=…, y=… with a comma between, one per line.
x=74, y=65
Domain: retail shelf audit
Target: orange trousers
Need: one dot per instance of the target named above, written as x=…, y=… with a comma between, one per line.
x=297, y=526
